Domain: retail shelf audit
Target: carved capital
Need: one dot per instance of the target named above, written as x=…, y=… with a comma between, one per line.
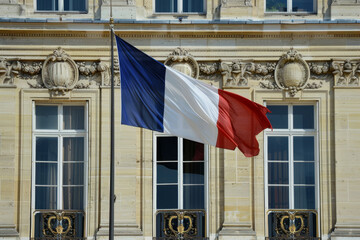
x=346, y=73
x=8, y=70
x=236, y=74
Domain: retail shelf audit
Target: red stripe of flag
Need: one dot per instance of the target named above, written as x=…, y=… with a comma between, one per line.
x=239, y=121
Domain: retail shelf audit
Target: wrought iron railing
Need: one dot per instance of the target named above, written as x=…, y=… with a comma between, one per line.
x=293, y=224
x=180, y=224
x=58, y=224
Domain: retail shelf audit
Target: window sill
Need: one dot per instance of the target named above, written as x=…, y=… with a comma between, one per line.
x=178, y=14
x=60, y=13
x=290, y=13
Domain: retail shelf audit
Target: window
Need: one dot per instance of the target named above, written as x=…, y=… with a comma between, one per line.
x=180, y=173
x=290, y=6
x=291, y=155
x=179, y=6
x=61, y=5
x=59, y=157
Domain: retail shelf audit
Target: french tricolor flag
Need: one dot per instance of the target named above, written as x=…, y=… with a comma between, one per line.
x=159, y=98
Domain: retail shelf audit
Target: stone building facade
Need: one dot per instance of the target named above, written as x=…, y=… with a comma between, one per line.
x=299, y=58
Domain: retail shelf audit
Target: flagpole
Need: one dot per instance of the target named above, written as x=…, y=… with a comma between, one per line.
x=112, y=120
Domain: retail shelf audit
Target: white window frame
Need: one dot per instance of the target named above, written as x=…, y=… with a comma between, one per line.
x=61, y=7
x=60, y=133
x=180, y=184
x=180, y=9
x=291, y=132
x=289, y=8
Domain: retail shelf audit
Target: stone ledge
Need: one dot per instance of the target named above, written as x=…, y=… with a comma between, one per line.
x=120, y=230
x=346, y=232
x=233, y=230
x=8, y=231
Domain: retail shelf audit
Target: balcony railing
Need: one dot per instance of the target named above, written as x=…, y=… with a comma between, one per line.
x=293, y=224
x=58, y=224
x=180, y=224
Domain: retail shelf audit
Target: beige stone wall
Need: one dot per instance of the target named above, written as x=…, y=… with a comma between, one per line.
x=347, y=128
x=226, y=9
x=236, y=206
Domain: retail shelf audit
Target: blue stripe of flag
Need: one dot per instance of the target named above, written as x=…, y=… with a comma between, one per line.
x=142, y=88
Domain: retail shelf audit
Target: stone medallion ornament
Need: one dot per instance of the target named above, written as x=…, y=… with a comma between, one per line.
x=292, y=72
x=60, y=73
x=182, y=61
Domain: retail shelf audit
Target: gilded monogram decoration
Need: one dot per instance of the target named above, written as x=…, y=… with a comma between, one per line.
x=293, y=224
x=59, y=224
x=181, y=224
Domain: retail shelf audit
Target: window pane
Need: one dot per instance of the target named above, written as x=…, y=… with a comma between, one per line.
x=193, y=151
x=46, y=173
x=303, y=6
x=303, y=117
x=166, y=6
x=46, y=149
x=278, y=197
x=304, y=148
x=278, y=173
x=167, y=173
x=45, y=197
x=46, y=117
x=276, y=5
x=193, y=6
x=194, y=197
x=278, y=116
x=194, y=173
x=304, y=197
x=167, y=197
x=278, y=148
x=47, y=5
x=74, y=5
x=73, y=198
x=304, y=173
x=73, y=173
x=74, y=117
x=73, y=149
x=167, y=148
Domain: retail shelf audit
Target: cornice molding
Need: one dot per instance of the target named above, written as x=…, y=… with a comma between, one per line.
x=26, y=33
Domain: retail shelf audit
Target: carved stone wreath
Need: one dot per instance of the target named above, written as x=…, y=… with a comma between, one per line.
x=60, y=73
x=182, y=61
x=292, y=72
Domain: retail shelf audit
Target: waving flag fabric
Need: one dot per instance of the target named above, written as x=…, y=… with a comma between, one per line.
x=159, y=98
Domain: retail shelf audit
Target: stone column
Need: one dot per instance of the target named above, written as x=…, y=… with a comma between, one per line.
x=8, y=162
x=127, y=169
x=347, y=165
x=238, y=192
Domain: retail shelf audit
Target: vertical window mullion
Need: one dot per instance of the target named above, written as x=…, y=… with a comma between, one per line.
x=180, y=6
x=61, y=5
x=180, y=174
x=60, y=156
x=291, y=156
x=291, y=172
x=60, y=172
x=289, y=3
